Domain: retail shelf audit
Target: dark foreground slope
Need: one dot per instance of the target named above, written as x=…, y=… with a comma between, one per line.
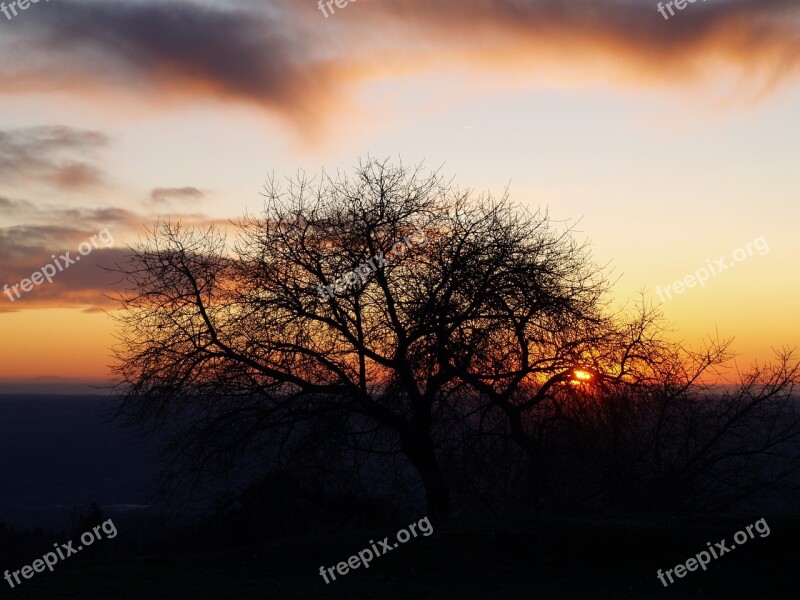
x=549, y=559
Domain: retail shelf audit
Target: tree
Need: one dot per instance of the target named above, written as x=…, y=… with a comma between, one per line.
x=653, y=426
x=245, y=344
x=391, y=313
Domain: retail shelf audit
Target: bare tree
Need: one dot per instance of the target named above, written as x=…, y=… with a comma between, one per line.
x=655, y=426
x=235, y=346
x=464, y=321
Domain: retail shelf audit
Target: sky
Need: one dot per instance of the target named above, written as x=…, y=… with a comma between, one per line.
x=667, y=143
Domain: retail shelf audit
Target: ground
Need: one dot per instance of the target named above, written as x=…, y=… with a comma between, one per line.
x=553, y=559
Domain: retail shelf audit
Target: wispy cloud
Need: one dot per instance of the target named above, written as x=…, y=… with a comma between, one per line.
x=165, y=51
x=744, y=32
x=286, y=58
x=165, y=195
x=47, y=230
x=52, y=154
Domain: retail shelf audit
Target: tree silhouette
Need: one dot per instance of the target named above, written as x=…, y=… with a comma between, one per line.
x=300, y=339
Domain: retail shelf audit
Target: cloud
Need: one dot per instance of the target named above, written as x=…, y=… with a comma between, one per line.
x=9, y=206
x=48, y=225
x=54, y=230
x=286, y=58
x=76, y=176
x=47, y=154
x=168, y=50
x=758, y=40
x=164, y=195
x=83, y=284
x=46, y=231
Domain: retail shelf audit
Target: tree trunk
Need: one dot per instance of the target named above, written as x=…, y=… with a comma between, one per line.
x=419, y=448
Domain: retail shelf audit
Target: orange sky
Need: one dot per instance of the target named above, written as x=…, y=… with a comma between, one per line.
x=673, y=141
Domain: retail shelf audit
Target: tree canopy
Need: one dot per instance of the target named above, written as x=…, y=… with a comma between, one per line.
x=392, y=313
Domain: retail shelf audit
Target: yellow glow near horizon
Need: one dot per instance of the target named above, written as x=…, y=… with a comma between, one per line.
x=55, y=342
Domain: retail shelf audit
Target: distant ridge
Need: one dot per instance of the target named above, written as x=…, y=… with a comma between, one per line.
x=49, y=384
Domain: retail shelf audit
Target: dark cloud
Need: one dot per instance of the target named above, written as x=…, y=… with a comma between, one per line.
x=168, y=48
x=83, y=284
x=22, y=243
x=26, y=249
x=43, y=226
x=48, y=154
x=286, y=57
x=742, y=31
x=45, y=231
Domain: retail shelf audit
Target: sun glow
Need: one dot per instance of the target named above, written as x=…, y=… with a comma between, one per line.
x=579, y=376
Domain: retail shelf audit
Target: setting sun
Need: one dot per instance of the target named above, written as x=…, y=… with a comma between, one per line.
x=581, y=375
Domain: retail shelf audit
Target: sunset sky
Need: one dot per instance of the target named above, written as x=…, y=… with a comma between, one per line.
x=668, y=142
